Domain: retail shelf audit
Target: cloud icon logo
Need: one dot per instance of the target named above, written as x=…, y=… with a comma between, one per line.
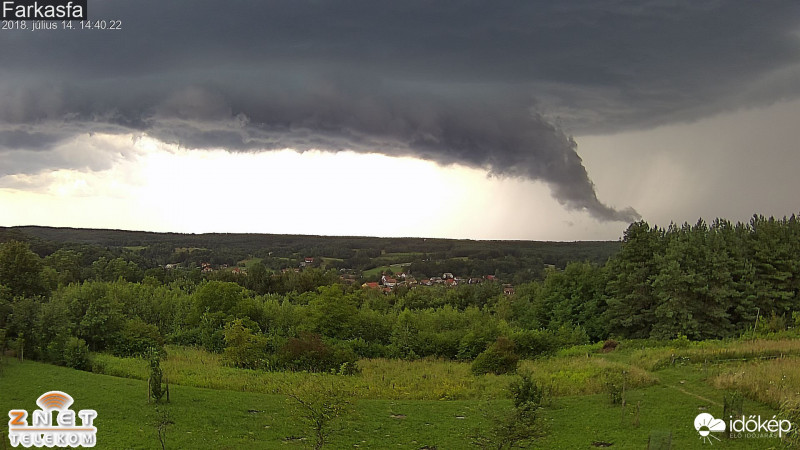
x=705, y=424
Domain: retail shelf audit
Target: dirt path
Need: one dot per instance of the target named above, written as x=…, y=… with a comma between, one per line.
x=696, y=396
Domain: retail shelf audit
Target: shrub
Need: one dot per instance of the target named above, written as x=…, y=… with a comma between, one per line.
x=528, y=394
x=569, y=335
x=533, y=343
x=186, y=337
x=320, y=406
x=615, y=387
x=243, y=348
x=136, y=337
x=369, y=349
x=515, y=428
x=609, y=346
x=212, y=331
x=76, y=354
x=499, y=358
x=475, y=341
x=54, y=351
x=155, y=382
x=310, y=353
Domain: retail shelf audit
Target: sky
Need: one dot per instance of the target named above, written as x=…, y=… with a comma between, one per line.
x=540, y=120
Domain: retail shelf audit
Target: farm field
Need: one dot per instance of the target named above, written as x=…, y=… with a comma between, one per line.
x=431, y=403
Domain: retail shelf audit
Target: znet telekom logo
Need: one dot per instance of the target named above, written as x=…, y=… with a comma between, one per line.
x=42, y=433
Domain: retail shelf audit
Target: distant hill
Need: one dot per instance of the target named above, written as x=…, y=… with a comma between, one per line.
x=341, y=252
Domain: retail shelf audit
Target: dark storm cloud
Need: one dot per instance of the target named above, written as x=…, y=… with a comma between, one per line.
x=475, y=83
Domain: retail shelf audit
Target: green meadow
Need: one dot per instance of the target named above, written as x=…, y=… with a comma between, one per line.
x=431, y=403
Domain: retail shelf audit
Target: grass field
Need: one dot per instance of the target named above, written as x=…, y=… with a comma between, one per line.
x=396, y=268
x=248, y=263
x=224, y=419
x=432, y=403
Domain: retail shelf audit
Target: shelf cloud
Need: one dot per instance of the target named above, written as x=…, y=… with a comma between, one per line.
x=499, y=86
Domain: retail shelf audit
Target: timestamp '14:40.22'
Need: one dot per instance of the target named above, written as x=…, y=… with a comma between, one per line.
x=93, y=25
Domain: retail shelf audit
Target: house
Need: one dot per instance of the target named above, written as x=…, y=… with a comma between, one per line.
x=371, y=285
x=307, y=262
x=508, y=289
x=388, y=282
x=447, y=275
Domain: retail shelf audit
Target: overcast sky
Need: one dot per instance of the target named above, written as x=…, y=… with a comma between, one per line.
x=489, y=120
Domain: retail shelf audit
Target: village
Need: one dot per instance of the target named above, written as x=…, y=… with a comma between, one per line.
x=388, y=283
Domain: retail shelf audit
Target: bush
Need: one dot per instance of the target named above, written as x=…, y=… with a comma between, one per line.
x=319, y=405
x=609, y=345
x=136, y=337
x=212, y=331
x=533, y=343
x=615, y=387
x=568, y=335
x=310, y=353
x=54, y=351
x=244, y=349
x=76, y=354
x=499, y=358
x=527, y=394
x=186, y=337
x=155, y=381
x=475, y=341
x=369, y=349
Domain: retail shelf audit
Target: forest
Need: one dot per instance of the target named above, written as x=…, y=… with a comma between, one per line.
x=695, y=282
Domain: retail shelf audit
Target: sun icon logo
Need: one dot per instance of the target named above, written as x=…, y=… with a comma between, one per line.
x=705, y=424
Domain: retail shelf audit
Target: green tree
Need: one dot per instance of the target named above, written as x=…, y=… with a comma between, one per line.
x=67, y=264
x=334, y=313
x=21, y=270
x=631, y=301
x=218, y=296
x=136, y=337
x=243, y=348
x=76, y=354
x=771, y=252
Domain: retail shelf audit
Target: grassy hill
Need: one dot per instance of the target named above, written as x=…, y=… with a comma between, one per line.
x=434, y=404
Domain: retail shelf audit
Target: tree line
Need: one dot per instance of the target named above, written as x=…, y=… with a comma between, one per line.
x=701, y=281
